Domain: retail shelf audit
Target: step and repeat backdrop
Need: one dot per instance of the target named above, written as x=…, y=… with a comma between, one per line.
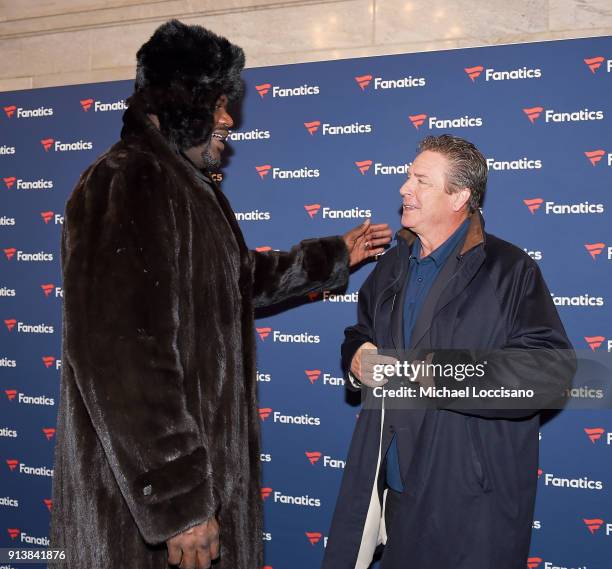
x=317, y=149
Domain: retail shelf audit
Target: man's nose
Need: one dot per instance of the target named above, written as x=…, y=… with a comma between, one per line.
x=226, y=119
x=405, y=189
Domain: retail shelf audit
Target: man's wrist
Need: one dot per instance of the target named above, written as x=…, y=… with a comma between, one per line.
x=354, y=381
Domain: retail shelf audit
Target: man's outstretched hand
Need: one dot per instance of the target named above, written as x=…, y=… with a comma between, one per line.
x=196, y=547
x=366, y=240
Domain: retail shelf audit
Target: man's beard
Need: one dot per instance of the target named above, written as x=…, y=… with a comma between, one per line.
x=210, y=162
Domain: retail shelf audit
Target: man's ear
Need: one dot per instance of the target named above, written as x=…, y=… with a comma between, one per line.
x=460, y=199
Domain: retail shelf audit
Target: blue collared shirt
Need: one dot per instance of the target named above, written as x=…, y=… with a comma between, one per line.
x=422, y=274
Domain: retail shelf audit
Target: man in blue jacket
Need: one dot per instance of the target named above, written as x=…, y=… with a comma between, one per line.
x=446, y=486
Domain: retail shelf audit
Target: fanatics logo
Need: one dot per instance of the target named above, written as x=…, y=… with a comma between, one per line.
x=264, y=170
x=10, y=323
x=312, y=209
x=10, y=182
x=594, y=249
x=48, y=503
x=49, y=432
x=594, y=434
x=10, y=111
x=312, y=375
x=47, y=216
x=491, y=74
x=47, y=289
x=417, y=120
x=314, y=537
x=48, y=361
x=263, y=89
x=474, y=72
x=312, y=127
x=352, y=213
x=594, y=342
x=398, y=83
x=265, y=493
x=533, y=113
x=41, y=184
x=12, y=464
x=279, y=174
x=363, y=166
x=363, y=81
x=533, y=562
x=11, y=393
x=86, y=104
x=593, y=63
x=313, y=457
x=47, y=143
x=59, y=146
x=263, y=332
x=593, y=525
x=533, y=204
x=264, y=412
x=13, y=532
x=595, y=156
x=314, y=295
x=98, y=106
x=10, y=252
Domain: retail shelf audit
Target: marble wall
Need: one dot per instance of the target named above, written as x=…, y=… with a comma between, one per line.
x=59, y=42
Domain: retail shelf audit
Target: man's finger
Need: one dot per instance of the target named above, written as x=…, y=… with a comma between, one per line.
x=360, y=230
x=371, y=235
x=379, y=242
x=214, y=548
x=189, y=559
x=379, y=226
x=373, y=359
x=174, y=554
x=203, y=558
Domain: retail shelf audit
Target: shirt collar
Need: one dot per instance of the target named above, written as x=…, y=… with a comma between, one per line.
x=440, y=255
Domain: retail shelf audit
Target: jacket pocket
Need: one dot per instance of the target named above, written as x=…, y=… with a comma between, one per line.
x=477, y=454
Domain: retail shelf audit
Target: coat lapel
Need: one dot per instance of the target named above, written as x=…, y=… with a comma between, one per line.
x=456, y=273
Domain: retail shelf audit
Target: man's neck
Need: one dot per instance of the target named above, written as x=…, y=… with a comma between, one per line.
x=431, y=241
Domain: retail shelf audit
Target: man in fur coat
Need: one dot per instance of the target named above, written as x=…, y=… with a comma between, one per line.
x=157, y=458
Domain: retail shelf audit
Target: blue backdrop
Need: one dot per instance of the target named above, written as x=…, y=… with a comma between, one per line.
x=319, y=147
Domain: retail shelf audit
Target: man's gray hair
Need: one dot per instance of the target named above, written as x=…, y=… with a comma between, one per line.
x=468, y=167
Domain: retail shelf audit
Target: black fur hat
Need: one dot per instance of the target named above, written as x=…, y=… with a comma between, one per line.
x=181, y=72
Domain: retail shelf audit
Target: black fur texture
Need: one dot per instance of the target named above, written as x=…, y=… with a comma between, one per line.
x=158, y=426
x=181, y=72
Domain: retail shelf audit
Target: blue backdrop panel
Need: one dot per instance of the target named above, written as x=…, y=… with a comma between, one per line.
x=317, y=149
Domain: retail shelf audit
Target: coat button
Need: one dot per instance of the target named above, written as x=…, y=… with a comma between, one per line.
x=147, y=490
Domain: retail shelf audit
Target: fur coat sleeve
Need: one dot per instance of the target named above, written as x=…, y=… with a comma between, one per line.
x=120, y=260
x=312, y=265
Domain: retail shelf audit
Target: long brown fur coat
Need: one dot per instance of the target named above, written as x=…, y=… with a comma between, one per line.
x=158, y=427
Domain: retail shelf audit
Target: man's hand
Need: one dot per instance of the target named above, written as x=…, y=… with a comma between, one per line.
x=366, y=240
x=424, y=379
x=196, y=547
x=363, y=362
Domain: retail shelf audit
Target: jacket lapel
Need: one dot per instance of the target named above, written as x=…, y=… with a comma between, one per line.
x=446, y=275
x=456, y=273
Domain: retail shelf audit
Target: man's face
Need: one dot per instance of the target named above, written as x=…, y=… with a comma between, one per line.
x=425, y=204
x=208, y=155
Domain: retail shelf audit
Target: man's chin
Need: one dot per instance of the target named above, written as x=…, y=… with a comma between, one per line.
x=408, y=221
x=212, y=160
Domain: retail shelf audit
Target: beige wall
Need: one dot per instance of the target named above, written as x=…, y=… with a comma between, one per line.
x=59, y=42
